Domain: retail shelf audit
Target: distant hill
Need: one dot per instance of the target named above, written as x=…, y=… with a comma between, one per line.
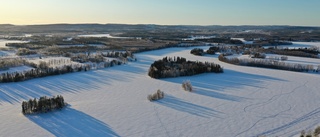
x=169, y=32
x=54, y=28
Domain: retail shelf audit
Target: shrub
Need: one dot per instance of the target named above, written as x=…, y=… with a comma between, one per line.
x=212, y=50
x=197, y=51
x=302, y=133
x=25, y=51
x=186, y=85
x=284, y=58
x=156, y=96
x=259, y=55
x=316, y=132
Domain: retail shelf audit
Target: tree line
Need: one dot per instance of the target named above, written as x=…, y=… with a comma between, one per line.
x=179, y=66
x=43, y=69
x=269, y=63
x=42, y=105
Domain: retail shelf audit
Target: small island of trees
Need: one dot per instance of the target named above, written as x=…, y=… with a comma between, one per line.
x=179, y=66
x=43, y=105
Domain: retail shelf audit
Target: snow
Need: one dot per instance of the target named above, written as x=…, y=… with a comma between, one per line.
x=81, y=45
x=7, y=53
x=296, y=45
x=16, y=69
x=104, y=35
x=53, y=61
x=243, y=40
x=242, y=102
x=199, y=37
x=291, y=59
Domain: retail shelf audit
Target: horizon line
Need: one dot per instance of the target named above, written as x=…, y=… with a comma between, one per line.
x=44, y=24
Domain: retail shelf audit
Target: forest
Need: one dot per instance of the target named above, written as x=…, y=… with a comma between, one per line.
x=179, y=66
x=44, y=69
x=267, y=63
x=42, y=105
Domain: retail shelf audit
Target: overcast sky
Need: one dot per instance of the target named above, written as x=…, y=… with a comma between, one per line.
x=167, y=12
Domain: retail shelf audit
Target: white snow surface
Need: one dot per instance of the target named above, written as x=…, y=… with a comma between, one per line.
x=243, y=40
x=104, y=35
x=16, y=69
x=291, y=59
x=241, y=102
x=296, y=45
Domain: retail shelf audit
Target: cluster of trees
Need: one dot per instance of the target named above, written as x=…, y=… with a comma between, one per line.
x=212, y=50
x=59, y=61
x=6, y=63
x=87, y=58
x=300, y=52
x=186, y=85
x=52, y=67
x=99, y=57
x=197, y=51
x=258, y=55
x=253, y=49
x=25, y=51
x=116, y=54
x=56, y=50
x=269, y=63
x=43, y=69
x=221, y=40
x=282, y=58
x=168, y=45
x=271, y=42
x=28, y=45
x=43, y=105
x=156, y=96
x=314, y=133
x=179, y=66
x=40, y=71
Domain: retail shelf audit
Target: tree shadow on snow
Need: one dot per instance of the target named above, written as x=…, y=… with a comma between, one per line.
x=73, y=83
x=214, y=85
x=183, y=106
x=70, y=122
x=165, y=51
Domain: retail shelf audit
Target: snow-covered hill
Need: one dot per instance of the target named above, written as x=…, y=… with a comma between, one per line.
x=242, y=102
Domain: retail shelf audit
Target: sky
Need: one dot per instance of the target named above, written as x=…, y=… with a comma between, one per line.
x=163, y=12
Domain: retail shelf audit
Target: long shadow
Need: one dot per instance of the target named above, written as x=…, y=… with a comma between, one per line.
x=183, y=106
x=214, y=85
x=52, y=85
x=166, y=51
x=70, y=122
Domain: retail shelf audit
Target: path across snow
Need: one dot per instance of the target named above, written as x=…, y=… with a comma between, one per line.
x=242, y=102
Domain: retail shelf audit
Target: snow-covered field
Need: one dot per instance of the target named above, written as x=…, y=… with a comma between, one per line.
x=16, y=69
x=291, y=59
x=81, y=45
x=104, y=35
x=242, y=102
x=53, y=61
x=244, y=41
x=7, y=53
x=296, y=45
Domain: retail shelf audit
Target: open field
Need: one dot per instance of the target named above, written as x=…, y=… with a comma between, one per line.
x=242, y=101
